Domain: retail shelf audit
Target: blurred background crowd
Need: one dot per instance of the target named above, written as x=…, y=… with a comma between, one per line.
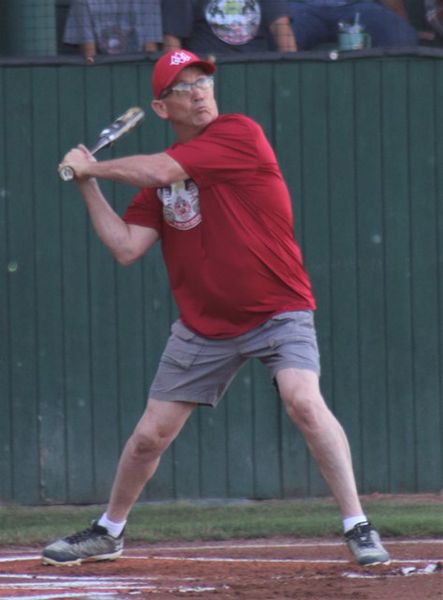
x=234, y=26
x=124, y=27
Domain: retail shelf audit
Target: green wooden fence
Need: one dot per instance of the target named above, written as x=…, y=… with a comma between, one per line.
x=361, y=144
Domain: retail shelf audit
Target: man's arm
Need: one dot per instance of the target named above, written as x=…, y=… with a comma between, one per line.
x=149, y=47
x=125, y=242
x=144, y=170
x=171, y=42
x=283, y=35
x=398, y=6
x=89, y=50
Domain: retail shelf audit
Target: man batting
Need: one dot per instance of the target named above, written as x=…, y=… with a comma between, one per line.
x=217, y=202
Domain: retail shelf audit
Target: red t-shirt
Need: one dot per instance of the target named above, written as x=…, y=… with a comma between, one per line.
x=227, y=233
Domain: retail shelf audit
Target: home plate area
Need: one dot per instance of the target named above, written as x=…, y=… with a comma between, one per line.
x=260, y=569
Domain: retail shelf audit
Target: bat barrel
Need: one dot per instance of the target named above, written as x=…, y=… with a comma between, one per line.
x=102, y=142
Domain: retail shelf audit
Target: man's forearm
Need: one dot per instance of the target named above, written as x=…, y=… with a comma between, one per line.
x=153, y=170
x=89, y=50
x=110, y=228
x=283, y=35
x=112, y=231
x=149, y=47
x=171, y=42
x=132, y=170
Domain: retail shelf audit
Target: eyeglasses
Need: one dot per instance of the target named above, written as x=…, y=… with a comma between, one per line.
x=184, y=88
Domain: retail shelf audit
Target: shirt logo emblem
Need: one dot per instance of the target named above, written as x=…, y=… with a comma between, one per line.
x=181, y=204
x=235, y=22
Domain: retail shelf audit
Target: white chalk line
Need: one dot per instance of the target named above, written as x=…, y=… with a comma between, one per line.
x=97, y=596
x=230, y=559
x=265, y=545
x=299, y=561
x=131, y=553
x=58, y=596
x=53, y=586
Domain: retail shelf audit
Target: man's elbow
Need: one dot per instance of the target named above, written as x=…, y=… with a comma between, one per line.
x=125, y=258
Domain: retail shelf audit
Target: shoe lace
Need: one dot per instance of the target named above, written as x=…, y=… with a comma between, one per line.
x=363, y=535
x=81, y=535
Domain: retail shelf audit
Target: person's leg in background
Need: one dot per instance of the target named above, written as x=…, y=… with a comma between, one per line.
x=310, y=25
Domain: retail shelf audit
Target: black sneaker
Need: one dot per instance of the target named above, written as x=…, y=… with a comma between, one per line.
x=364, y=543
x=94, y=543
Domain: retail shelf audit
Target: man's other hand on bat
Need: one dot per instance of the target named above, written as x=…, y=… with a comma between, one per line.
x=79, y=159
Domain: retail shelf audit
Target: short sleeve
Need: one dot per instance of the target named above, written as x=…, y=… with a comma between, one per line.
x=79, y=27
x=226, y=148
x=148, y=18
x=145, y=210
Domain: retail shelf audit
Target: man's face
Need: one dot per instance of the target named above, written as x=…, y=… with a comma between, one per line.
x=194, y=108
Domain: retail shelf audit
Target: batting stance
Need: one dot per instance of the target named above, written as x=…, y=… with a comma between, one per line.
x=217, y=202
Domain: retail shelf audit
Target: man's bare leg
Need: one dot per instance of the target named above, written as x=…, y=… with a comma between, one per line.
x=324, y=435
x=158, y=427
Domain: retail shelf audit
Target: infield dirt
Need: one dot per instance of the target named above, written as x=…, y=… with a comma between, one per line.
x=258, y=570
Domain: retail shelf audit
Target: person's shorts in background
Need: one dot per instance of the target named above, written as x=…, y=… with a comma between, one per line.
x=316, y=22
x=198, y=369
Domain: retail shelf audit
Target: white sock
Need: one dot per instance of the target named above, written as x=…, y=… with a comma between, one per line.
x=113, y=528
x=350, y=522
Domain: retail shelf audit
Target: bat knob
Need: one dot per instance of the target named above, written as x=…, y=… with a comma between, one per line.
x=66, y=173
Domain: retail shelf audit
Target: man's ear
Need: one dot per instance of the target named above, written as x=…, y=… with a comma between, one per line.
x=159, y=107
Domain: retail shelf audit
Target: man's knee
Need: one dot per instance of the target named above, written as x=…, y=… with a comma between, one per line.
x=306, y=408
x=301, y=395
x=149, y=443
x=158, y=427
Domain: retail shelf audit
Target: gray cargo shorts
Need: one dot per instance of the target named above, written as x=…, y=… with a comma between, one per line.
x=198, y=369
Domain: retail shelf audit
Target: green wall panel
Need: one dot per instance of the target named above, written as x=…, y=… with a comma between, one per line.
x=49, y=289
x=6, y=453
x=21, y=285
x=360, y=144
x=424, y=271
x=397, y=260
x=75, y=299
x=370, y=275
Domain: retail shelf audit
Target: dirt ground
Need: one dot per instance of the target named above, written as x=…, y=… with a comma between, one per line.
x=261, y=569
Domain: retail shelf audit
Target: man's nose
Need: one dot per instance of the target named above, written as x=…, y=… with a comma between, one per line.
x=197, y=92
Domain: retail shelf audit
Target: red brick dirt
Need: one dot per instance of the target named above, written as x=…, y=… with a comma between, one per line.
x=258, y=570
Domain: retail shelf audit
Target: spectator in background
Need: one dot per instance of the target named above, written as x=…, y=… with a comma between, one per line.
x=434, y=15
x=227, y=26
x=114, y=26
x=316, y=21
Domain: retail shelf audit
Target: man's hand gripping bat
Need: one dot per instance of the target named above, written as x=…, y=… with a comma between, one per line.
x=122, y=125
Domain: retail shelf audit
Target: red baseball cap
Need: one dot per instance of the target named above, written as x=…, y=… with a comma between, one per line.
x=170, y=65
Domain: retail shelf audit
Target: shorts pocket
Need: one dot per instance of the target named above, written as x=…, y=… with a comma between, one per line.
x=183, y=346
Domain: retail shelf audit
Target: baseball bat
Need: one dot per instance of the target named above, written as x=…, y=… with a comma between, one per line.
x=118, y=128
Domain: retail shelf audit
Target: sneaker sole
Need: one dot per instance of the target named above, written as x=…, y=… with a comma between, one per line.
x=46, y=560
x=374, y=563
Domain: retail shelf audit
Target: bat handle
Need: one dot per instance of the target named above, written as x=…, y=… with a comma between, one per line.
x=66, y=173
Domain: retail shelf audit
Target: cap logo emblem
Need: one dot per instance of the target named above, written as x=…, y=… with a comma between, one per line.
x=178, y=58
